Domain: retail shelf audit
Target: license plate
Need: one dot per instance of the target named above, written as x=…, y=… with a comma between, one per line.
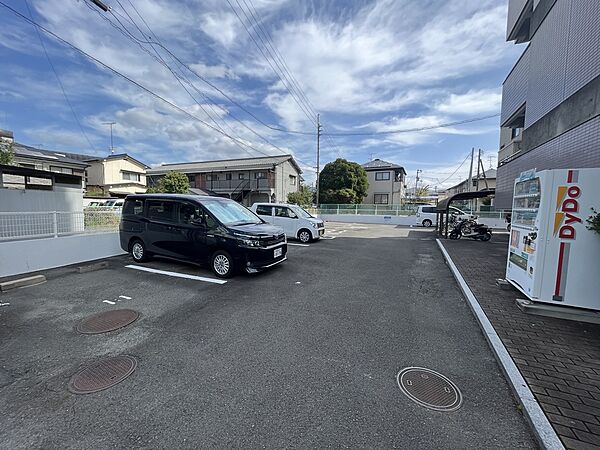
x=277, y=253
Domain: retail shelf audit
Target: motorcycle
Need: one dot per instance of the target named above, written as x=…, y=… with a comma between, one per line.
x=471, y=229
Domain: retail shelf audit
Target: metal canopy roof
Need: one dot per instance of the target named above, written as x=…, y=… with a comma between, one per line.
x=444, y=204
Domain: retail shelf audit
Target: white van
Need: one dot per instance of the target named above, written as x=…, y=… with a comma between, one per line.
x=295, y=221
x=427, y=216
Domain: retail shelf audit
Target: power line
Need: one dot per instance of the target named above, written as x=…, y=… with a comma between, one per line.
x=116, y=72
x=457, y=169
x=414, y=130
x=302, y=107
x=62, y=88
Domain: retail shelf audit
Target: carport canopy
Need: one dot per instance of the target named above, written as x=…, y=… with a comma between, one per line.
x=443, y=207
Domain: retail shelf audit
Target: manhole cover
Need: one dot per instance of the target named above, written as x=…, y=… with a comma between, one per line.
x=430, y=389
x=107, y=321
x=102, y=375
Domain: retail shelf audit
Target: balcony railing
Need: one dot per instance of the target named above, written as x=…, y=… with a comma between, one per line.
x=237, y=185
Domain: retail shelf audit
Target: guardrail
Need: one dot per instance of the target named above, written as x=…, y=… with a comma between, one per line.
x=32, y=225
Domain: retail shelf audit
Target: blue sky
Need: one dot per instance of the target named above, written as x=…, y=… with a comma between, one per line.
x=365, y=66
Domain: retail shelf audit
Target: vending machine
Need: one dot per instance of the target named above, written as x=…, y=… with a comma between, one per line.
x=553, y=257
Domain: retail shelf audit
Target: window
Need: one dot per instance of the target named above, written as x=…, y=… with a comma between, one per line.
x=192, y=180
x=380, y=199
x=228, y=176
x=263, y=210
x=428, y=209
x=189, y=213
x=292, y=180
x=131, y=176
x=29, y=166
x=515, y=132
x=135, y=207
x=161, y=210
x=381, y=176
x=241, y=176
x=260, y=175
x=282, y=211
x=56, y=169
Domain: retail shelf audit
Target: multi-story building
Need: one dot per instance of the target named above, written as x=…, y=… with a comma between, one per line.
x=551, y=99
x=484, y=181
x=386, y=183
x=246, y=180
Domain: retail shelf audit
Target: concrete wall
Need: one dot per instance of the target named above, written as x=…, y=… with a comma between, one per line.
x=31, y=200
x=282, y=181
x=19, y=257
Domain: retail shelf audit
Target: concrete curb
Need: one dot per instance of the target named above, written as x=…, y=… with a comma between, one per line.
x=22, y=282
x=543, y=431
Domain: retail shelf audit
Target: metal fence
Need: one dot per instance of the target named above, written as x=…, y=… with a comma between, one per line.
x=30, y=225
x=392, y=210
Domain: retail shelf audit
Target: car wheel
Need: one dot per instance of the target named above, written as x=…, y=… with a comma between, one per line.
x=138, y=251
x=221, y=264
x=304, y=236
x=427, y=223
x=486, y=237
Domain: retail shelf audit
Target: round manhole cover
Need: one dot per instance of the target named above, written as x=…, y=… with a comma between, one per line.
x=429, y=388
x=107, y=321
x=102, y=375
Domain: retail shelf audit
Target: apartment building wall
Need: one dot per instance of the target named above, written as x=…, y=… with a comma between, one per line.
x=557, y=84
x=283, y=181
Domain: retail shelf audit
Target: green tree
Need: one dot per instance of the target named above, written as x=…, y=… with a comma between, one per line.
x=6, y=153
x=304, y=197
x=343, y=181
x=172, y=183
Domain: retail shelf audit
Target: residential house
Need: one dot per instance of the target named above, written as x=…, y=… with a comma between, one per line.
x=550, y=115
x=246, y=180
x=386, y=183
x=116, y=175
x=46, y=160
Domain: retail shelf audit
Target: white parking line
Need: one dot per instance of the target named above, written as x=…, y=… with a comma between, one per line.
x=125, y=297
x=176, y=274
x=108, y=301
x=298, y=245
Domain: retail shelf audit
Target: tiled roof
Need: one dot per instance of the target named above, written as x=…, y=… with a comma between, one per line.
x=26, y=151
x=265, y=162
x=381, y=164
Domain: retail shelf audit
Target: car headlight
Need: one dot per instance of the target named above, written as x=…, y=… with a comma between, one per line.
x=249, y=242
x=314, y=225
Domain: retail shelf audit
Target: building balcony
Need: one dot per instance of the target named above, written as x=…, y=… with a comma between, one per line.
x=509, y=151
x=238, y=185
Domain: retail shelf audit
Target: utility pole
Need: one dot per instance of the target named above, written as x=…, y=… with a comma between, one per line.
x=470, y=181
x=319, y=128
x=417, y=182
x=111, y=124
x=477, y=181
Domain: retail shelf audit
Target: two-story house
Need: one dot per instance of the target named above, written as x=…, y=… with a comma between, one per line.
x=386, y=183
x=116, y=175
x=246, y=180
x=47, y=160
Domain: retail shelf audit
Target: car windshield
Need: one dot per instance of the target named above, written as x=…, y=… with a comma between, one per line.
x=229, y=212
x=301, y=212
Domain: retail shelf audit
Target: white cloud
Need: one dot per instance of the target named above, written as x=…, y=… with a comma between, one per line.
x=472, y=102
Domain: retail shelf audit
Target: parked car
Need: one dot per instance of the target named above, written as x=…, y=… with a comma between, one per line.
x=427, y=216
x=200, y=229
x=295, y=220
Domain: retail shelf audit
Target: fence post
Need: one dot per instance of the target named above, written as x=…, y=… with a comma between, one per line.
x=54, y=224
x=375, y=209
x=356, y=209
x=338, y=209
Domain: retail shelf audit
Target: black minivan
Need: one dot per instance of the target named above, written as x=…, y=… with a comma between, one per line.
x=200, y=229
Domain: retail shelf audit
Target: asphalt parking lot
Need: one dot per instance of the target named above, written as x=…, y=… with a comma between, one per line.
x=303, y=355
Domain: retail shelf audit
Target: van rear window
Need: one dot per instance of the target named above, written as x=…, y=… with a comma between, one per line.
x=263, y=210
x=428, y=209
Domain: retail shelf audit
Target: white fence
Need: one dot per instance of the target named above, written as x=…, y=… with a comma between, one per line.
x=31, y=225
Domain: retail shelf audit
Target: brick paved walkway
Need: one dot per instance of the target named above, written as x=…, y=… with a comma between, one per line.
x=559, y=359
